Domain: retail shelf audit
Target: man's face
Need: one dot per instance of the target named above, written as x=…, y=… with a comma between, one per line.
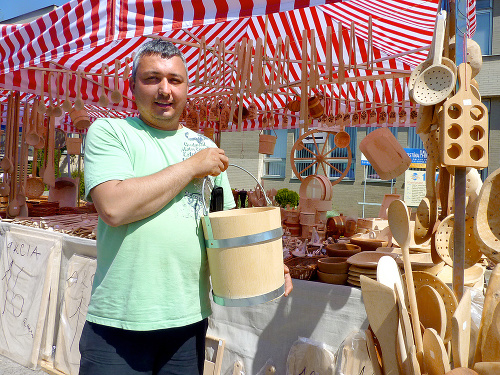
x=160, y=90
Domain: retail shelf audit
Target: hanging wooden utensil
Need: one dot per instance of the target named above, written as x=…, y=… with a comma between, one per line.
x=50, y=109
x=49, y=172
x=382, y=116
x=363, y=116
x=41, y=106
x=116, y=95
x=103, y=99
x=341, y=71
x=372, y=118
x=201, y=47
x=13, y=209
x=57, y=111
x=328, y=57
x=67, y=103
x=32, y=137
x=313, y=72
x=79, y=104
x=6, y=163
x=402, y=112
x=258, y=85
x=391, y=118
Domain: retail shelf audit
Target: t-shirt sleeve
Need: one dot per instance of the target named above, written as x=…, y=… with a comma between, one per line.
x=106, y=157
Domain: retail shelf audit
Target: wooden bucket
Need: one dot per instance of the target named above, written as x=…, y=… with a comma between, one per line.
x=80, y=118
x=267, y=143
x=74, y=145
x=315, y=107
x=245, y=255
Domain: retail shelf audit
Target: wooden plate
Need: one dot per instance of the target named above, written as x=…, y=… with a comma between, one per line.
x=363, y=270
x=471, y=275
x=357, y=274
x=368, y=244
x=450, y=301
x=353, y=282
x=368, y=259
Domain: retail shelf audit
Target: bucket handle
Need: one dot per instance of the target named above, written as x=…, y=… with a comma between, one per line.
x=207, y=180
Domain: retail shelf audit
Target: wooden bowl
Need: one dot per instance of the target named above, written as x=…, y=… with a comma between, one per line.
x=333, y=265
x=368, y=244
x=332, y=278
x=342, y=249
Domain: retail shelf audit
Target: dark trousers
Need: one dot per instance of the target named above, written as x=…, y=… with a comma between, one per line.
x=114, y=351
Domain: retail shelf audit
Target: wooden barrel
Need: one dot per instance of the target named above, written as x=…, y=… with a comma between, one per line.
x=80, y=118
x=266, y=144
x=315, y=107
x=245, y=255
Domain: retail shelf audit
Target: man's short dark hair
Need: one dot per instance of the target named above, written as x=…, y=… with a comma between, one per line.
x=161, y=47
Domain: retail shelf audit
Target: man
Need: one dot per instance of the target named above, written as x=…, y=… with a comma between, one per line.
x=150, y=296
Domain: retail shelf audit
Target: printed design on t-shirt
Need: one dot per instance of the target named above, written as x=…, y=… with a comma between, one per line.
x=192, y=203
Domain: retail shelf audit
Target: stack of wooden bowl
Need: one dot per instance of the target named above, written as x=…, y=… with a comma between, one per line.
x=333, y=270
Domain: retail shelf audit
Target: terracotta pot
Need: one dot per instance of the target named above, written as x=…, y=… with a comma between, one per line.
x=266, y=144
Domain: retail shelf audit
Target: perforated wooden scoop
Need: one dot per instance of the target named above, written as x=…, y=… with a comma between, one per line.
x=437, y=81
x=464, y=132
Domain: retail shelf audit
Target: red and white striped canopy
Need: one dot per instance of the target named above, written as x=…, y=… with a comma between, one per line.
x=85, y=35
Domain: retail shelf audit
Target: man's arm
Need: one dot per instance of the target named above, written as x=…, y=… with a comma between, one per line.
x=123, y=202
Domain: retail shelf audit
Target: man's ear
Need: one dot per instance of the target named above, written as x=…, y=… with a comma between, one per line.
x=131, y=83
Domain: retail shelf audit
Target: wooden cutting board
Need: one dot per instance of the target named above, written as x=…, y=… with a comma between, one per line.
x=382, y=312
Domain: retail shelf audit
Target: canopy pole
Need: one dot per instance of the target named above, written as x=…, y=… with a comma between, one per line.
x=460, y=172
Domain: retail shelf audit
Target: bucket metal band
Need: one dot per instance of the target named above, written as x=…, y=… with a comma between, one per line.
x=250, y=239
x=249, y=301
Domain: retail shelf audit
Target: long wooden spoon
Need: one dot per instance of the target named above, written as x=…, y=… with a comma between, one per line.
x=67, y=103
x=116, y=95
x=49, y=172
x=103, y=99
x=399, y=223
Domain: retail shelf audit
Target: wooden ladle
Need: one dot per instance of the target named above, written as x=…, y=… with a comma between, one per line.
x=67, y=103
x=57, y=111
x=116, y=95
x=79, y=104
x=399, y=223
x=32, y=138
x=49, y=172
x=6, y=162
x=103, y=99
x=41, y=105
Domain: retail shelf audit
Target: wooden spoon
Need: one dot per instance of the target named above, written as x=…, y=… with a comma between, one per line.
x=382, y=312
x=41, y=105
x=399, y=223
x=103, y=99
x=460, y=331
x=13, y=208
x=490, y=349
x=32, y=137
x=67, y=103
x=49, y=172
x=436, y=360
x=431, y=309
x=6, y=162
x=79, y=104
x=116, y=95
x=491, y=300
x=57, y=111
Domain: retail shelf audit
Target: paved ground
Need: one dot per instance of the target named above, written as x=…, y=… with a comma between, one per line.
x=8, y=367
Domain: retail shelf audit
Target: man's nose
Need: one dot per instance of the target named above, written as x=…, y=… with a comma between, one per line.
x=164, y=88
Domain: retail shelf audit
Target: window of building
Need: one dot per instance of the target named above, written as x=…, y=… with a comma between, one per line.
x=337, y=157
x=275, y=164
x=370, y=173
x=484, y=25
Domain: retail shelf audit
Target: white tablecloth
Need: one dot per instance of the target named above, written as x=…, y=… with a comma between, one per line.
x=257, y=334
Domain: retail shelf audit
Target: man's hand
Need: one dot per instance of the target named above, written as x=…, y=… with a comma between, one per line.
x=208, y=162
x=288, y=282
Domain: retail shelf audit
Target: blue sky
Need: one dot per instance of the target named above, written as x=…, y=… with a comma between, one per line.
x=14, y=8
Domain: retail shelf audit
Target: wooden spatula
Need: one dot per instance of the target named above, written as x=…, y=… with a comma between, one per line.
x=491, y=299
x=436, y=360
x=460, y=331
x=382, y=312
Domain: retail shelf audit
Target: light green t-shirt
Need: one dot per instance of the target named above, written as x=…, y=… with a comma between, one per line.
x=152, y=273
